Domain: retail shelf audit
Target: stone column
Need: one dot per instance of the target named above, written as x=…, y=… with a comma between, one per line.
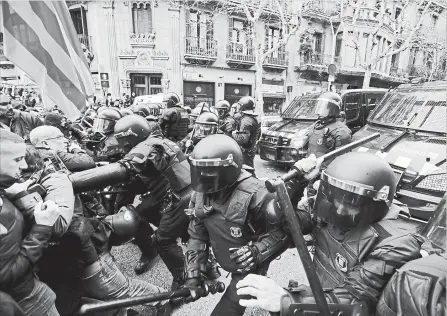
x=174, y=24
x=114, y=81
x=379, y=51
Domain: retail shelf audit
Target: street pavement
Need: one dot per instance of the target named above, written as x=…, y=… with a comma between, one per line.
x=287, y=267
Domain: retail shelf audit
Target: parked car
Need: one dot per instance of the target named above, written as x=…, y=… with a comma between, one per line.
x=269, y=121
x=411, y=120
x=287, y=141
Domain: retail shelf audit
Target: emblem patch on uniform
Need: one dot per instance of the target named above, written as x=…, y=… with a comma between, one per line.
x=320, y=141
x=341, y=263
x=3, y=230
x=236, y=232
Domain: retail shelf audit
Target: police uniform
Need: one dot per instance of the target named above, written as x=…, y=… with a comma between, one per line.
x=109, y=150
x=156, y=158
x=174, y=123
x=328, y=137
x=247, y=135
x=227, y=124
x=233, y=218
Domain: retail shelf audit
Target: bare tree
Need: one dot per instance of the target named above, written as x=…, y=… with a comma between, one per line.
x=259, y=14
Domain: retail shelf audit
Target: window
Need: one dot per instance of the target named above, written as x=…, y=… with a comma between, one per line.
x=352, y=103
x=395, y=60
x=240, y=31
x=199, y=24
x=142, y=18
x=273, y=36
x=397, y=12
x=338, y=43
x=318, y=37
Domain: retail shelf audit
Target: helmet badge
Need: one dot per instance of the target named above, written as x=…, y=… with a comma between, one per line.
x=236, y=232
x=320, y=141
x=341, y=262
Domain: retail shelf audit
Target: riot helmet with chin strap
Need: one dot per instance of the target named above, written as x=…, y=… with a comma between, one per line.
x=223, y=108
x=206, y=124
x=132, y=130
x=355, y=190
x=328, y=106
x=171, y=99
x=105, y=121
x=216, y=163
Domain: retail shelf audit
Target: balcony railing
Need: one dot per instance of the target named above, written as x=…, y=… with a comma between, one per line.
x=201, y=47
x=269, y=5
x=319, y=59
x=84, y=39
x=240, y=52
x=370, y=15
x=204, y=49
x=142, y=39
x=279, y=59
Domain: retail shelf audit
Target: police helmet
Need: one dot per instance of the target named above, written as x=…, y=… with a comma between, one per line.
x=328, y=105
x=171, y=99
x=105, y=121
x=246, y=103
x=206, y=124
x=124, y=225
x=126, y=111
x=141, y=109
x=214, y=168
x=355, y=190
x=132, y=130
x=223, y=108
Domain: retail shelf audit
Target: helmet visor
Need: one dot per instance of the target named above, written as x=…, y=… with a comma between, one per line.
x=327, y=108
x=202, y=130
x=102, y=125
x=212, y=175
x=342, y=203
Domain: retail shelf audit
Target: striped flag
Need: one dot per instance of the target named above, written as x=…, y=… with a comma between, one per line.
x=39, y=37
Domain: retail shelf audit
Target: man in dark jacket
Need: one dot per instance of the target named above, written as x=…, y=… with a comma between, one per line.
x=359, y=238
x=175, y=120
x=19, y=252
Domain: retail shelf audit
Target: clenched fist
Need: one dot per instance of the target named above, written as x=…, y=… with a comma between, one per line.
x=46, y=213
x=308, y=167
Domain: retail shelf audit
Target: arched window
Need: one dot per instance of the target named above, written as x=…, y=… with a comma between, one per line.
x=142, y=18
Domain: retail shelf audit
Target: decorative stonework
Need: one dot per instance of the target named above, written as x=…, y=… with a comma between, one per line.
x=106, y=4
x=142, y=39
x=159, y=55
x=152, y=3
x=125, y=83
x=128, y=54
x=144, y=59
x=126, y=63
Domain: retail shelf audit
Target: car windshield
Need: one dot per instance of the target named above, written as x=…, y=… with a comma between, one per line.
x=414, y=109
x=302, y=107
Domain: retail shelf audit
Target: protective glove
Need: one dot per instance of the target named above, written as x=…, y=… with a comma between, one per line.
x=46, y=213
x=244, y=257
x=79, y=235
x=193, y=285
x=308, y=167
x=18, y=187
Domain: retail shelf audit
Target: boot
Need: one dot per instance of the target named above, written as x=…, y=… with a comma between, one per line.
x=147, y=261
x=172, y=256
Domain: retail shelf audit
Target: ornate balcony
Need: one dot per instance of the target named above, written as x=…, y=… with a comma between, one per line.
x=240, y=55
x=200, y=50
x=278, y=60
x=142, y=39
x=316, y=62
x=370, y=17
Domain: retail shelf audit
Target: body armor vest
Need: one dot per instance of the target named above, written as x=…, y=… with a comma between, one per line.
x=179, y=128
x=322, y=139
x=177, y=172
x=226, y=221
x=228, y=124
x=336, y=254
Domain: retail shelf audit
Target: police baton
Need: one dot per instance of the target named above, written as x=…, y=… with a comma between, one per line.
x=196, y=293
x=270, y=184
x=278, y=186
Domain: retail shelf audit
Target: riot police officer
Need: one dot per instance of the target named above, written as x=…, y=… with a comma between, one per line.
x=329, y=133
x=174, y=120
x=359, y=238
x=248, y=131
x=227, y=122
x=206, y=124
x=231, y=213
x=103, y=141
x=151, y=158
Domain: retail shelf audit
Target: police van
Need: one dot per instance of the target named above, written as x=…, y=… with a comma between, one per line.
x=287, y=141
x=411, y=120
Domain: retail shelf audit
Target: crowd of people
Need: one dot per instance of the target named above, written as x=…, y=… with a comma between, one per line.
x=68, y=192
